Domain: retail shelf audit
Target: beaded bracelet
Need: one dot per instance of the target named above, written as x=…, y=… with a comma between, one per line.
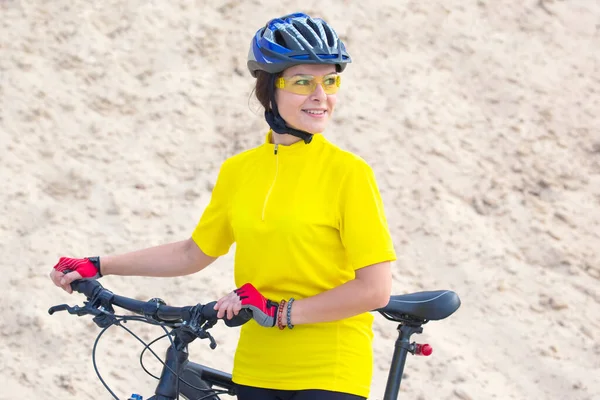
x=279, y=314
x=289, y=314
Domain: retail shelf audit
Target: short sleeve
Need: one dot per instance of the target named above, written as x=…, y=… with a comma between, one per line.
x=363, y=225
x=214, y=234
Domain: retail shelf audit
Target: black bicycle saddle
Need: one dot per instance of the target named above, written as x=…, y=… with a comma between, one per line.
x=430, y=305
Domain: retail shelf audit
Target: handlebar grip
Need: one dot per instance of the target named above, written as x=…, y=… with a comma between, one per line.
x=86, y=287
x=243, y=316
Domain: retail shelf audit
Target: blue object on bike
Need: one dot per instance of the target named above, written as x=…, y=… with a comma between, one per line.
x=136, y=397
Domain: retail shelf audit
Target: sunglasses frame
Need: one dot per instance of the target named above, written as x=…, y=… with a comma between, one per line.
x=286, y=84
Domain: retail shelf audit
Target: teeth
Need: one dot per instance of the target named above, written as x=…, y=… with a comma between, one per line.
x=316, y=112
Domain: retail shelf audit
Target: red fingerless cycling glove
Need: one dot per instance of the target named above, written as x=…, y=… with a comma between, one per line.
x=86, y=268
x=264, y=311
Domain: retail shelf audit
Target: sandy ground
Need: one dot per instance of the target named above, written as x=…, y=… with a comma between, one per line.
x=480, y=119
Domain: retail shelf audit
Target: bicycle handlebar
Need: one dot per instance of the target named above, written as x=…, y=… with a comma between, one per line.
x=92, y=289
x=188, y=323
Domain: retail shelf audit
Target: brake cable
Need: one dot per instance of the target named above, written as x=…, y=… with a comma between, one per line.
x=104, y=317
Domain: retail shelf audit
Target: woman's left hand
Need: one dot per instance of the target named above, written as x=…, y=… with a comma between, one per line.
x=229, y=305
x=264, y=311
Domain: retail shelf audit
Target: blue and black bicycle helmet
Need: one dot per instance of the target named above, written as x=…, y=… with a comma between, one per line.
x=292, y=40
x=295, y=39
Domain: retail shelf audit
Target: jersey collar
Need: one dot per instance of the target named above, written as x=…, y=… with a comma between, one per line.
x=299, y=146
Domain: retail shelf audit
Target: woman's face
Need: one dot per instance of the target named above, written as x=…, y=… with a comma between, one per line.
x=310, y=112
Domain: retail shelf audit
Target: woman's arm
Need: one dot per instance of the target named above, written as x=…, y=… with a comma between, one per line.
x=370, y=290
x=168, y=260
x=174, y=259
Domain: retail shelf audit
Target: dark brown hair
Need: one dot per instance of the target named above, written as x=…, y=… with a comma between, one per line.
x=261, y=90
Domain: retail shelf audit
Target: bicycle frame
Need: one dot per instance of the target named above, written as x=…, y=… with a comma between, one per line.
x=176, y=360
x=411, y=311
x=401, y=349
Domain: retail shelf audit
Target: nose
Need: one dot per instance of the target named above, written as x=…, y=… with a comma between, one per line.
x=319, y=93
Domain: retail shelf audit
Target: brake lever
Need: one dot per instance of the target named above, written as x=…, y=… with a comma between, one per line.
x=196, y=326
x=206, y=335
x=61, y=307
x=76, y=310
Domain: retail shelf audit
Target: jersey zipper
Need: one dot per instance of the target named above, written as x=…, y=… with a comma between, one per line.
x=273, y=183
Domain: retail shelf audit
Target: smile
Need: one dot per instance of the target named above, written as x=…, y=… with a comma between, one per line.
x=316, y=113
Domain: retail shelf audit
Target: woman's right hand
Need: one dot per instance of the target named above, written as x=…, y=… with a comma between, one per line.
x=80, y=268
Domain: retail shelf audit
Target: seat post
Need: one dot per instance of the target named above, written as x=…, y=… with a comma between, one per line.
x=401, y=350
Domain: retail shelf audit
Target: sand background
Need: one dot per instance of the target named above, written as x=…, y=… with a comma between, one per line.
x=480, y=119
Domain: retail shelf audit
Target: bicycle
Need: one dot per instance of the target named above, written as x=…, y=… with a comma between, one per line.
x=194, y=381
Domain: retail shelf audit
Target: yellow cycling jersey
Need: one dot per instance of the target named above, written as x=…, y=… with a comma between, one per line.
x=304, y=217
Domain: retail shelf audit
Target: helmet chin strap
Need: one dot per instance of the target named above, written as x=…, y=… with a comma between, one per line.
x=277, y=123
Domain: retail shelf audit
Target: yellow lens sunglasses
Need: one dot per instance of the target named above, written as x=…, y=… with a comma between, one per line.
x=306, y=84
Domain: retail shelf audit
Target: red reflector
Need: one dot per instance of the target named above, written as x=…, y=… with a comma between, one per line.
x=423, y=349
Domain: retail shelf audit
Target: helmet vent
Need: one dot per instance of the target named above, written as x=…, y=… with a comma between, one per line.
x=307, y=34
x=280, y=39
x=310, y=22
x=330, y=36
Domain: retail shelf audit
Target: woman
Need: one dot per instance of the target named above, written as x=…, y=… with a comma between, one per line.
x=313, y=249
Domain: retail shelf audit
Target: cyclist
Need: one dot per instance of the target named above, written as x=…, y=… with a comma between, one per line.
x=313, y=248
